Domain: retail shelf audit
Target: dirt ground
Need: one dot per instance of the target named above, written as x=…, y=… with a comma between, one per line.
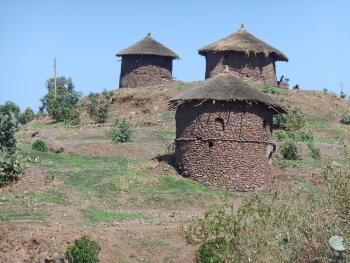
x=57, y=203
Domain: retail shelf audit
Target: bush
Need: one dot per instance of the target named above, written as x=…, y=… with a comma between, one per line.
x=289, y=150
x=294, y=120
x=270, y=89
x=62, y=106
x=345, y=118
x=10, y=167
x=98, y=107
x=40, y=146
x=212, y=251
x=84, y=250
x=314, y=152
x=342, y=95
x=27, y=116
x=122, y=134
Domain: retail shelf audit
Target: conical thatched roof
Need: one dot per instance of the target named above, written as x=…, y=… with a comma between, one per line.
x=148, y=46
x=225, y=87
x=242, y=41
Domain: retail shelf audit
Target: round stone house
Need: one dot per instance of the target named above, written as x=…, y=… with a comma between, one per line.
x=224, y=133
x=246, y=56
x=146, y=63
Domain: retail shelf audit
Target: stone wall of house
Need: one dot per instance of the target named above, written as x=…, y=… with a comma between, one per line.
x=224, y=145
x=257, y=68
x=143, y=71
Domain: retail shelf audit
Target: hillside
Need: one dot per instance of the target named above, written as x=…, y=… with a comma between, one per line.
x=128, y=197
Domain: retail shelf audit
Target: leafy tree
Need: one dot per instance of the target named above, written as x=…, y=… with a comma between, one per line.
x=61, y=82
x=27, y=116
x=10, y=109
x=61, y=105
x=10, y=168
x=7, y=133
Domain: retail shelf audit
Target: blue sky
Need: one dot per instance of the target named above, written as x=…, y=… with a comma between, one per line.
x=85, y=35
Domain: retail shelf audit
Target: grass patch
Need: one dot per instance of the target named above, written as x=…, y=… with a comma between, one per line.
x=326, y=140
x=308, y=187
x=120, y=182
x=182, y=88
x=299, y=163
x=45, y=198
x=168, y=116
x=163, y=134
x=6, y=216
x=96, y=216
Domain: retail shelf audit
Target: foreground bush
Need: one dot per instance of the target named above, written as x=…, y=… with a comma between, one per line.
x=279, y=227
x=40, y=146
x=345, y=119
x=122, y=134
x=84, y=250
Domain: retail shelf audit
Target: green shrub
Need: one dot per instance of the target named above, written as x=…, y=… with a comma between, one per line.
x=122, y=134
x=10, y=167
x=98, y=106
x=314, y=151
x=84, y=250
x=62, y=105
x=270, y=89
x=342, y=95
x=279, y=121
x=213, y=251
x=289, y=150
x=345, y=118
x=294, y=120
x=40, y=146
x=27, y=116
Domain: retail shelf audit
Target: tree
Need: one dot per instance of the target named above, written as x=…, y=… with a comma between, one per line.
x=61, y=105
x=27, y=116
x=10, y=167
x=10, y=109
x=61, y=82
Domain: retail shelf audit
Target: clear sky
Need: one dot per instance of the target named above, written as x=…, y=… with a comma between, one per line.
x=85, y=35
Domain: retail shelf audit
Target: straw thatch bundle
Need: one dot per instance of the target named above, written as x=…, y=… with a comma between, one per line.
x=148, y=46
x=225, y=87
x=242, y=41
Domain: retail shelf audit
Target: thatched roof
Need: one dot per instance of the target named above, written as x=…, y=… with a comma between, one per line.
x=242, y=41
x=148, y=46
x=225, y=87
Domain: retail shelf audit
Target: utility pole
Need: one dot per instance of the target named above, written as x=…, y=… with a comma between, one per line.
x=54, y=74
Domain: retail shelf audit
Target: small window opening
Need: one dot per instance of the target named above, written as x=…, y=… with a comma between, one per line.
x=211, y=144
x=220, y=123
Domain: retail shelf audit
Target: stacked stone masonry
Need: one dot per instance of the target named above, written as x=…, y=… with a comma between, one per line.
x=224, y=145
x=256, y=68
x=145, y=70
